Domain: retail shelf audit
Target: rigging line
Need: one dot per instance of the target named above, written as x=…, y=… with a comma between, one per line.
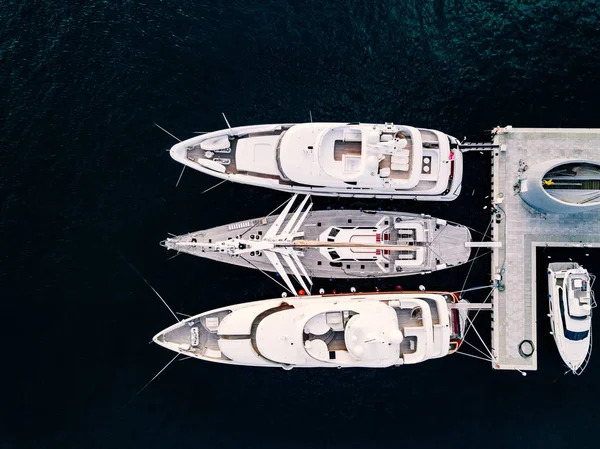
x=269, y=276
x=161, y=128
x=475, y=347
x=447, y=222
x=173, y=257
x=480, y=338
x=475, y=288
x=475, y=230
x=482, y=342
x=267, y=216
x=477, y=313
x=481, y=255
x=213, y=187
x=180, y=176
x=158, y=374
x=439, y=257
x=153, y=289
x=474, y=356
x=473, y=260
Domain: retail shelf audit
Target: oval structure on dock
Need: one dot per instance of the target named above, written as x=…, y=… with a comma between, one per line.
x=562, y=186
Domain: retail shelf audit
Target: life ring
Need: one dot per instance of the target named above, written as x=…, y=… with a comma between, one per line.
x=526, y=348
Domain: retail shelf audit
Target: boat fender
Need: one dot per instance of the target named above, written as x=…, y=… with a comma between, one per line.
x=526, y=348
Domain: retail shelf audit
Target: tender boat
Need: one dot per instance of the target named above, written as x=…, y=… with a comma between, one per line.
x=373, y=330
x=332, y=159
x=332, y=244
x=571, y=301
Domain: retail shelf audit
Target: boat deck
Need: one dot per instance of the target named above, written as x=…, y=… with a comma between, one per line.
x=198, y=153
x=521, y=230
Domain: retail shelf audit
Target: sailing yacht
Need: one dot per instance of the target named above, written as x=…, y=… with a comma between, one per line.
x=331, y=159
x=374, y=330
x=571, y=301
x=332, y=244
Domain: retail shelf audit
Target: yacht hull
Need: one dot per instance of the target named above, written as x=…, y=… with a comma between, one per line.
x=264, y=170
x=370, y=330
x=574, y=346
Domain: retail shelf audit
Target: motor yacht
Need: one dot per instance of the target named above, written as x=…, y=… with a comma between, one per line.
x=571, y=301
x=331, y=159
x=371, y=330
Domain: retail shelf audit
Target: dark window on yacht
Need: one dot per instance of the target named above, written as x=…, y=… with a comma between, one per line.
x=386, y=222
x=362, y=267
x=319, y=224
x=387, y=265
x=349, y=220
x=209, y=240
x=352, y=183
x=569, y=335
x=310, y=147
x=318, y=262
x=331, y=355
x=334, y=232
x=259, y=232
x=334, y=255
x=336, y=264
x=347, y=267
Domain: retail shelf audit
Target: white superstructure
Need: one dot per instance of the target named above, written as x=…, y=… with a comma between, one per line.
x=332, y=159
x=373, y=330
x=571, y=300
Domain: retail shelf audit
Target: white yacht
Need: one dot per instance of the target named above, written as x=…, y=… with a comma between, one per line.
x=332, y=159
x=374, y=330
x=332, y=244
x=571, y=301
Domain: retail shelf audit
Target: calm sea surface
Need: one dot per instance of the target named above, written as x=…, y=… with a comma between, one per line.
x=86, y=187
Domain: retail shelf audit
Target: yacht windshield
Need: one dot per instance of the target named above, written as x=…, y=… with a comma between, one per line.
x=570, y=335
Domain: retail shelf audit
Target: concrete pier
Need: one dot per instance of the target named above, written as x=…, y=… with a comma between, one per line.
x=520, y=229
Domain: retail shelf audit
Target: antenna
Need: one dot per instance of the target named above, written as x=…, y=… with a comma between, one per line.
x=227, y=121
x=310, y=113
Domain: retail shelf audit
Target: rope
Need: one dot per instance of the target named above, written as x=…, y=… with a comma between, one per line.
x=474, y=356
x=474, y=288
x=476, y=348
x=478, y=335
x=158, y=374
x=473, y=260
x=477, y=313
x=148, y=284
x=269, y=276
x=267, y=216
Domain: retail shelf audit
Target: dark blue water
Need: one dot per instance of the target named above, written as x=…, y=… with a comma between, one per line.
x=85, y=184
